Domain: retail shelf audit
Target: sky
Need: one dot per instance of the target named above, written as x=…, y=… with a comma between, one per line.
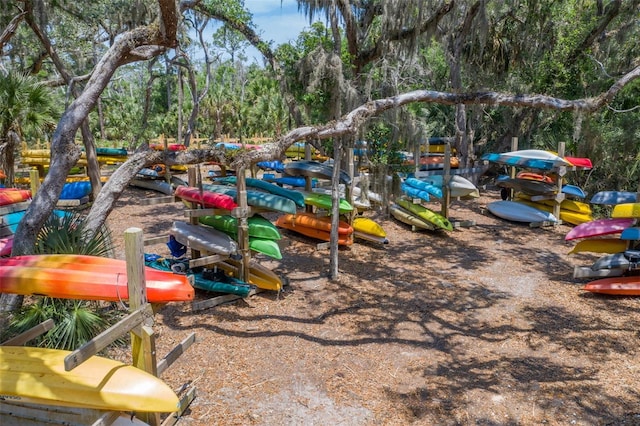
x=275, y=22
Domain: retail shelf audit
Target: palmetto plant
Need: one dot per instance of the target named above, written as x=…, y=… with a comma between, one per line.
x=76, y=321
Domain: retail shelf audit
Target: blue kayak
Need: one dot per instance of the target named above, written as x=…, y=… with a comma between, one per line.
x=75, y=190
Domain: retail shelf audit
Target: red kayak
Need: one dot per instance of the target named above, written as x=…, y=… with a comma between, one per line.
x=13, y=195
x=580, y=162
x=206, y=198
x=71, y=276
x=617, y=286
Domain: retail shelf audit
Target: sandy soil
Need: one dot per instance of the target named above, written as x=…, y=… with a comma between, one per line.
x=480, y=326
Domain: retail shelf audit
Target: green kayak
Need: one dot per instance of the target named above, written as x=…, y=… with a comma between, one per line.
x=323, y=201
x=425, y=214
x=259, y=226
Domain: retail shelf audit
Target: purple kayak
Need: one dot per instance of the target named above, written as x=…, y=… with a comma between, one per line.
x=599, y=227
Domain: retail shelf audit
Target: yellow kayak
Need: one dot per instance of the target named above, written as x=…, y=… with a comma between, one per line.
x=626, y=210
x=369, y=230
x=37, y=375
x=568, y=216
x=570, y=205
x=259, y=276
x=600, y=245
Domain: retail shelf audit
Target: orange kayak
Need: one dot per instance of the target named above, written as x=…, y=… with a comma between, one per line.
x=71, y=276
x=618, y=286
x=13, y=195
x=315, y=227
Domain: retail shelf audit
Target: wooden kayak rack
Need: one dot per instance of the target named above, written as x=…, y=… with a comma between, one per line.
x=139, y=324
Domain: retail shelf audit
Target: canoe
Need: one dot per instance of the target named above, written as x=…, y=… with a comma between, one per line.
x=314, y=169
x=324, y=201
x=259, y=226
x=276, y=166
x=367, y=229
x=312, y=226
x=272, y=188
x=626, y=210
x=409, y=218
x=568, y=216
x=428, y=215
x=528, y=186
x=205, y=198
x=6, y=245
x=599, y=227
x=111, y=152
x=580, y=162
x=159, y=185
x=529, y=158
x=11, y=220
x=566, y=204
x=37, y=375
x=535, y=176
x=155, y=171
x=295, y=181
x=75, y=190
x=519, y=212
x=13, y=195
x=258, y=199
x=203, y=238
x=413, y=192
x=631, y=234
x=70, y=276
x=573, y=191
x=617, y=286
x=169, y=147
x=421, y=185
x=259, y=275
x=436, y=161
x=458, y=185
x=265, y=246
x=600, y=245
x=622, y=260
x=614, y=197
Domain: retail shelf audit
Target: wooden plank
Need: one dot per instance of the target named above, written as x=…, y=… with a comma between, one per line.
x=159, y=200
x=215, y=301
x=144, y=314
x=15, y=207
x=73, y=202
x=13, y=413
x=207, y=260
x=185, y=401
x=544, y=224
x=175, y=353
x=156, y=240
x=30, y=334
x=204, y=212
x=587, y=272
x=107, y=419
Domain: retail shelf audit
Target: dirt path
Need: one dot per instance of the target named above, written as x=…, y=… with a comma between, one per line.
x=482, y=326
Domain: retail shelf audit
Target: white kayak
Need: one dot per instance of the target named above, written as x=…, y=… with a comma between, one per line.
x=518, y=212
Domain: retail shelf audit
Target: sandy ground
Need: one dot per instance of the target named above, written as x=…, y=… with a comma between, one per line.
x=480, y=326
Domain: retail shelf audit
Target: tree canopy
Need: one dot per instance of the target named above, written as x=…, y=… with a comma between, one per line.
x=481, y=71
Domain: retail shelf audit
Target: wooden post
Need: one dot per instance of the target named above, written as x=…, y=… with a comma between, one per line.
x=192, y=179
x=512, y=169
x=559, y=176
x=241, y=213
x=34, y=181
x=446, y=178
x=143, y=347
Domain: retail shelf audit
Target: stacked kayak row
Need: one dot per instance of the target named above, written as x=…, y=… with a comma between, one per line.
x=617, y=238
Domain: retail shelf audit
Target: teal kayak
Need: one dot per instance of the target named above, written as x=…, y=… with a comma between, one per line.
x=257, y=198
x=272, y=188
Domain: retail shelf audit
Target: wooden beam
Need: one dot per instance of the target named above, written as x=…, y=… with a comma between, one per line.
x=207, y=260
x=30, y=334
x=174, y=354
x=104, y=339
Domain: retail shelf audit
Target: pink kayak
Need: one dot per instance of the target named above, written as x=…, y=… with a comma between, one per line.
x=599, y=227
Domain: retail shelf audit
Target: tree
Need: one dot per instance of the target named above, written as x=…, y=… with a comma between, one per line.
x=26, y=105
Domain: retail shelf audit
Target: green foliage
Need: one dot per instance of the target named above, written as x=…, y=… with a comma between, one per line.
x=76, y=321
